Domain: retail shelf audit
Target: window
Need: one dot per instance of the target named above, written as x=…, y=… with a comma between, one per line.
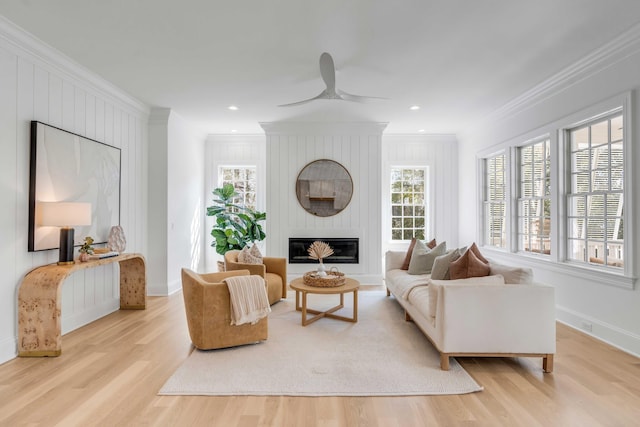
x=534, y=197
x=495, y=202
x=595, y=228
x=243, y=179
x=408, y=203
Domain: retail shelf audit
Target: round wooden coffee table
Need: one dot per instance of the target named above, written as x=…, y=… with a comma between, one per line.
x=351, y=285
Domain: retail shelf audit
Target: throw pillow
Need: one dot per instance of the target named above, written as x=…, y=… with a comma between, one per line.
x=513, y=275
x=432, y=244
x=477, y=253
x=468, y=265
x=422, y=257
x=407, y=259
x=440, y=270
x=255, y=251
x=248, y=256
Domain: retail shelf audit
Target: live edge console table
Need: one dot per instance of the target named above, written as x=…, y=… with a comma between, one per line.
x=39, y=301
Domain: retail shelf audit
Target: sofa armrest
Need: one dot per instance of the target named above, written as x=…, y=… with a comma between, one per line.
x=394, y=260
x=496, y=319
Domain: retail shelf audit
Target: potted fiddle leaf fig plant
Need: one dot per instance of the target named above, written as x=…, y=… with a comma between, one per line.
x=236, y=225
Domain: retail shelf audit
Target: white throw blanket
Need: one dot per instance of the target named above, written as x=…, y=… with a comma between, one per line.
x=407, y=292
x=249, y=301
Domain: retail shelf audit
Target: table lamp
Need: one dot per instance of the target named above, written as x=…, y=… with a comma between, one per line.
x=65, y=215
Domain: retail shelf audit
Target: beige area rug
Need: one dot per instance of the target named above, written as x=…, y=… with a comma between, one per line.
x=381, y=355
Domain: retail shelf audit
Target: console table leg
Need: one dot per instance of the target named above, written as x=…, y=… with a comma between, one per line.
x=133, y=284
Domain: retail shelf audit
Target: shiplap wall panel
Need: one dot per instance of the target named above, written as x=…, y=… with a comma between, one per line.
x=358, y=148
x=439, y=154
x=34, y=89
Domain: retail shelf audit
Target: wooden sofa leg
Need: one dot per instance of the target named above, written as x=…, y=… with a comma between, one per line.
x=444, y=362
x=547, y=363
x=407, y=317
x=388, y=292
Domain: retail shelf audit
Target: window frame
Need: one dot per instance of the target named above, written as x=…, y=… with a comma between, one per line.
x=569, y=171
x=518, y=196
x=560, y=178
x=428, y=209
x=507, y=198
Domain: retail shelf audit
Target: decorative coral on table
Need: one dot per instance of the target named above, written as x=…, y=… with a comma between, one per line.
x=320, y=250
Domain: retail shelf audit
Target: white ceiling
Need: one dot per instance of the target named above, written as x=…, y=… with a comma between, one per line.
x=459, y=60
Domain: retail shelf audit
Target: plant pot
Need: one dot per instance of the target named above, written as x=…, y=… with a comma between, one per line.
x=84, y=257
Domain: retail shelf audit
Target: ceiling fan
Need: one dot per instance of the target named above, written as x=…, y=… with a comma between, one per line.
x=328, y=73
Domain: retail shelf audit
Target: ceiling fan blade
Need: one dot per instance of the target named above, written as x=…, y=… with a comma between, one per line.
x=328, y=71
x=356, y=98
x=322, y=95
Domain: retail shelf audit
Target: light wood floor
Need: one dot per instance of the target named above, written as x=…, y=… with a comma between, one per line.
x=110, y=371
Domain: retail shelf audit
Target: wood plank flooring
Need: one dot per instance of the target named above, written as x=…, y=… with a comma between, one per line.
x=110, y=371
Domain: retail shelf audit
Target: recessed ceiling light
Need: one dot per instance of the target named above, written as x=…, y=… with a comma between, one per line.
x=421, y=130
x=234, y=130
x=232, y=107
x=414, y=107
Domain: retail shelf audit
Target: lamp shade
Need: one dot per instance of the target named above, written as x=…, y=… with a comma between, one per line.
x=65, y=214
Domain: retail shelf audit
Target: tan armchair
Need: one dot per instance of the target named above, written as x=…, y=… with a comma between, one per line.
x=273, y=271
x=208, y=308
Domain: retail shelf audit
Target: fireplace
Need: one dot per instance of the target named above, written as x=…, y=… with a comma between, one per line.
x=345, y=250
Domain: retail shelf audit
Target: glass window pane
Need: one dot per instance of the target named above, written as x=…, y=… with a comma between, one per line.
x=616, y=129
x=577, y=250
x=600, y=133
x=579, y=139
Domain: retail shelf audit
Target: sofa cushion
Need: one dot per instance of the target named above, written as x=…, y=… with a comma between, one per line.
x=422, y=257
x=435, y=286
x=440, y=270
x=407, y=259
x=512, y=275
x=400, y=282
x=469, y=265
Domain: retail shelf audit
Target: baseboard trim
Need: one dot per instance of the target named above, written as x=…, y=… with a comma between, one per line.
x=612, y=335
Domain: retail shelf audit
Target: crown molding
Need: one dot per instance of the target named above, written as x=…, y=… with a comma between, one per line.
x=25, y=44
x=614, y=51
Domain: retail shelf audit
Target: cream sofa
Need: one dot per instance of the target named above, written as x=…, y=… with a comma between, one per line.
x=475, y=318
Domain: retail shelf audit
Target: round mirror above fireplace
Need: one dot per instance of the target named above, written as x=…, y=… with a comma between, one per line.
x=324, y=187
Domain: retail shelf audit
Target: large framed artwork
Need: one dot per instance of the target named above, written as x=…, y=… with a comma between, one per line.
x=66, y=167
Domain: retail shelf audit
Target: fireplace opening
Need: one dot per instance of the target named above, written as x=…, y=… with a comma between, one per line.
x=345, y=250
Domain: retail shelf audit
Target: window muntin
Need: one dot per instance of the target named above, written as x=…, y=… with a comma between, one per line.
x=408, y=203
x=595, y=200
x=495, y=201
x=244, y=181
x=534, y=197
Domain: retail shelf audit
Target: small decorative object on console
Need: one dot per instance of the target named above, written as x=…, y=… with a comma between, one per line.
x=319, y=250
x=86, y=249
x=117, y=241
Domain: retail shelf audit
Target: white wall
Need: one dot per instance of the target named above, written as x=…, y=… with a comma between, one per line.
x=440, y=154
x=38, y=83
x=358, y=147
x=610, y=71
x=176, y=180
x=231, y=150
